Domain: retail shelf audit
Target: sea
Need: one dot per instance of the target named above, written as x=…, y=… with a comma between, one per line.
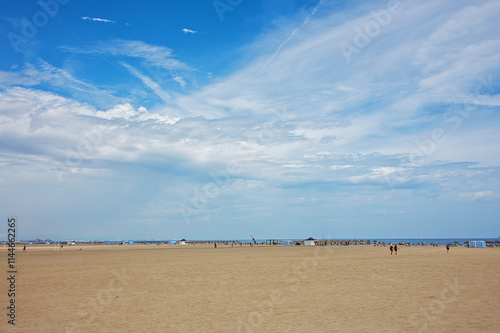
x=429, y=241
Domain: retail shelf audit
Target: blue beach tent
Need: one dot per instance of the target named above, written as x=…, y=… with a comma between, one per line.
x=477, y=244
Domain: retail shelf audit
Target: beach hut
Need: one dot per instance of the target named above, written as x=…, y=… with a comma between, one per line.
x=172, y=242
x=182, y=242
x=287, y=242
x=477, y=244
x=309, y=241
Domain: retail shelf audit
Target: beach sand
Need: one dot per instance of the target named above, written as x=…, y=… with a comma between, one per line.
x=173, y=288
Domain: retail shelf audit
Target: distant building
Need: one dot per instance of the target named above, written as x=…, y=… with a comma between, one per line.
x=182, y=242
x=310, y=241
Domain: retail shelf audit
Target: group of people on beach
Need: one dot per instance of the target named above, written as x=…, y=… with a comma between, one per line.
x=394, y=248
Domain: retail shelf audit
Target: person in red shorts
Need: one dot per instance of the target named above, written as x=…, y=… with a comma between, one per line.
x=392, y=249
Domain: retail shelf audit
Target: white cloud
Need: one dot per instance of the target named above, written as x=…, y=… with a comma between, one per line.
x=189, y=31
x=340, y=167
x=128, y=112
x=125, y=111
x=54, y=127
x=180, y=80
x=384, y=175
x=96, y=19
x=480, y=195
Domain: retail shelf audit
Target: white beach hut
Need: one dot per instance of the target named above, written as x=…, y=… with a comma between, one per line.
x=310, y=241
x=182, y=242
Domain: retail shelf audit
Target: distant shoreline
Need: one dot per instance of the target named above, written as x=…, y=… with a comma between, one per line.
x=280, y=241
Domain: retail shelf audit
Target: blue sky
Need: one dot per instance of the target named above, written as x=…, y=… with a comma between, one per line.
x=221, y=119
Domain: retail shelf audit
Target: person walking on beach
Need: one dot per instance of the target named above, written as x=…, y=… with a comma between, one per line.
x=396, y=249
x=447, y=247
x=24, y=249
x=391, y=248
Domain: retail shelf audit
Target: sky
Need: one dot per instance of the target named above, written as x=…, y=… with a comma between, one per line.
x=224, y=119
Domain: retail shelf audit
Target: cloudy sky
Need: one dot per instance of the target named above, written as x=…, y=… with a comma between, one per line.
x=221, y=119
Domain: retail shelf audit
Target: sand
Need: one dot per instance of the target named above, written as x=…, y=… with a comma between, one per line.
x=173, y=288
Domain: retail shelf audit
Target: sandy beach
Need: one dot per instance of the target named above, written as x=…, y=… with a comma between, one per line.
x=172, y=288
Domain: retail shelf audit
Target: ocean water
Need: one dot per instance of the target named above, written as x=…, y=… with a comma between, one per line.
x=428, y=241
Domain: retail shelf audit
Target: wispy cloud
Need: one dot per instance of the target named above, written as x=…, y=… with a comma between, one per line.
x=43, y=73
x=180, y=80
x=189, y=31
x=480, y=195
x=152, y=55
x=307, y=19
x=96, y=19
x=150, y=83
